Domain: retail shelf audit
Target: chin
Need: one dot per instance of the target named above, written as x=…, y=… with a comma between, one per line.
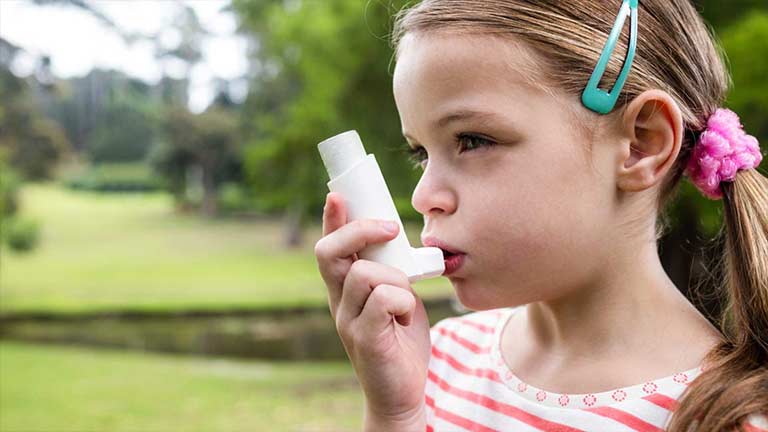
x=480, y=299
x=474, y=299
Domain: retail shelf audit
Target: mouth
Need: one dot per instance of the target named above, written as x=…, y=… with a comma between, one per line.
x=448, y=251
x=447, y=254
x=453, y=258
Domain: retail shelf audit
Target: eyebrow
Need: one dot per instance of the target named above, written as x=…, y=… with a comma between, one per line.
x=464, y=115
x=460, y=115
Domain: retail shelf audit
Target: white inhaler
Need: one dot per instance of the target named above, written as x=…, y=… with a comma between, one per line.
x=358, y=178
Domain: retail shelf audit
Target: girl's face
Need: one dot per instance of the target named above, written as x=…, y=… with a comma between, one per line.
x=516, y=191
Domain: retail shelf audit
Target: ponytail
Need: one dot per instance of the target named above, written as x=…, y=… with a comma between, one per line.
x=734, y=383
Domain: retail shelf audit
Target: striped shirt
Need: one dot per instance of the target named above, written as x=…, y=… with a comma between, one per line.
x=470, y=388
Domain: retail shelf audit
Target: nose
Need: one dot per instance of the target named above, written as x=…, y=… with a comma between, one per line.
x=433, y=194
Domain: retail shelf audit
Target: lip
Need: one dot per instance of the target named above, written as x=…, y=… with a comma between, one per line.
x=436, y=242
x=452, y=262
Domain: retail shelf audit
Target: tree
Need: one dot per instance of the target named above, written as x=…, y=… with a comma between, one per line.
x=123, y=133
x=324, y=70
x=721, y=13
x=746, y=43
x=207, y=142
x=34, y=144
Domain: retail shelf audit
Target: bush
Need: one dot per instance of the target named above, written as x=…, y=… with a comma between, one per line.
x=117, y=177
x=22, y=235
x=9, y=189
x=233, y=198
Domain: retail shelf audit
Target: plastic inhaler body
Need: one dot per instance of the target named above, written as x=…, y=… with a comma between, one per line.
x=358, y=178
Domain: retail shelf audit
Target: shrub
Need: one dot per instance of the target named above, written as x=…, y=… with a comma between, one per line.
x=233, y=198
x=9, y=188
x=117, y=177
x=21, y=234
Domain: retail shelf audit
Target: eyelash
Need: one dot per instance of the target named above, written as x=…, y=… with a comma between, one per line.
x=417, y=158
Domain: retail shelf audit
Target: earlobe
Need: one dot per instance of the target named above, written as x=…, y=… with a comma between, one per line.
x=653, y=134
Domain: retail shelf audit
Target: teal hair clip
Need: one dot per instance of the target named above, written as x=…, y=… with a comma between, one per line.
x=600, y=101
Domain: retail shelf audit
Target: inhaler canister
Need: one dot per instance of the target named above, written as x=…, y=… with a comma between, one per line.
x=358, y=178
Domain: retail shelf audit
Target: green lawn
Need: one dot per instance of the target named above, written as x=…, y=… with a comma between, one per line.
x=115, y=251
x=46, y=388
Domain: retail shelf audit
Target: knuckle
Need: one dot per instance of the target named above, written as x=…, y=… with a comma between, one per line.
x=320, y=248
x=346, y=332
x=358, y=270
x=379, y=293
x=411, y=300
x=341, y=327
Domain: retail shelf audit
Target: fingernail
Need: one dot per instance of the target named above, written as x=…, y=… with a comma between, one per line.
x=390, y=227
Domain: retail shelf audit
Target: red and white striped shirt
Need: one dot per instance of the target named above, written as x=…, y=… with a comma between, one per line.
x=470, y=388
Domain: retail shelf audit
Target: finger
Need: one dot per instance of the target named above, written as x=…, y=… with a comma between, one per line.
x=384, y=302
x=355, y=236
x=363, y=276
x=335, y=249
x=334, y=213
x=332, y=269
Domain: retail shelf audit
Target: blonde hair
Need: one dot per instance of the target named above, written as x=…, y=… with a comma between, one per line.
x=677, y=53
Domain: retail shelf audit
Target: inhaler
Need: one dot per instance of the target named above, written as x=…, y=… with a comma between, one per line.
x=358, y=178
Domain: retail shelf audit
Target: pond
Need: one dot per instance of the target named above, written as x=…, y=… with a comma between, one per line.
x=302, y=333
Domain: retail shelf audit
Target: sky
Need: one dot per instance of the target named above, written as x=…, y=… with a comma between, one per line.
x=76, y=41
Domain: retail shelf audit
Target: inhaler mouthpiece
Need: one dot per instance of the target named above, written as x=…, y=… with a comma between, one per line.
x=358, y=178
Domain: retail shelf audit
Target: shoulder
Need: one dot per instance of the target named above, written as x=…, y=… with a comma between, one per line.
x=756, y=423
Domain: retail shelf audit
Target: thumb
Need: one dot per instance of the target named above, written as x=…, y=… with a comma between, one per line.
x=383, y=302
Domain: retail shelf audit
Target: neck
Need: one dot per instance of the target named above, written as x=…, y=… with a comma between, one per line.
x=633, y=302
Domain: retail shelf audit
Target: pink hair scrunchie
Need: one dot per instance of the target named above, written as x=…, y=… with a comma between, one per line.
x=722, y=150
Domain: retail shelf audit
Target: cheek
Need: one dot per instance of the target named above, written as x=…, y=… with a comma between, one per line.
x=529, y=246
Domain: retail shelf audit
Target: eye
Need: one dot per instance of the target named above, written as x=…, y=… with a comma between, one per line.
x=470, y=138
x=417, y=156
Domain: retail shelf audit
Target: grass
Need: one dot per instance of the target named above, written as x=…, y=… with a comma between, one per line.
x=47, y=388
x=131, y=251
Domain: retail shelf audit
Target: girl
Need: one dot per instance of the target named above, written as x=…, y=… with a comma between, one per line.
x=548, y=203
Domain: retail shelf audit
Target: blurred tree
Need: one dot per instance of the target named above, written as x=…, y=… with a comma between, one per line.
x=191, y=34
x=9, y=188
x=34, y=143
x=746, y=43
x=123, y=133
x=207, y=142
x=723, y=13
x=171, y=163
x=324, y=69
x=121, y=110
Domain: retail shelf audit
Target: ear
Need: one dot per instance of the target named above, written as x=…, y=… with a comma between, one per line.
x=652, y=128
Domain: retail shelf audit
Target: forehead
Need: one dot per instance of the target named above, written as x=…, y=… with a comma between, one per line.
x=445, y=64
x=438, y=73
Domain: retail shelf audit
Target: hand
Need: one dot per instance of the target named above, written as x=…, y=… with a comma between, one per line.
x=380, y=319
